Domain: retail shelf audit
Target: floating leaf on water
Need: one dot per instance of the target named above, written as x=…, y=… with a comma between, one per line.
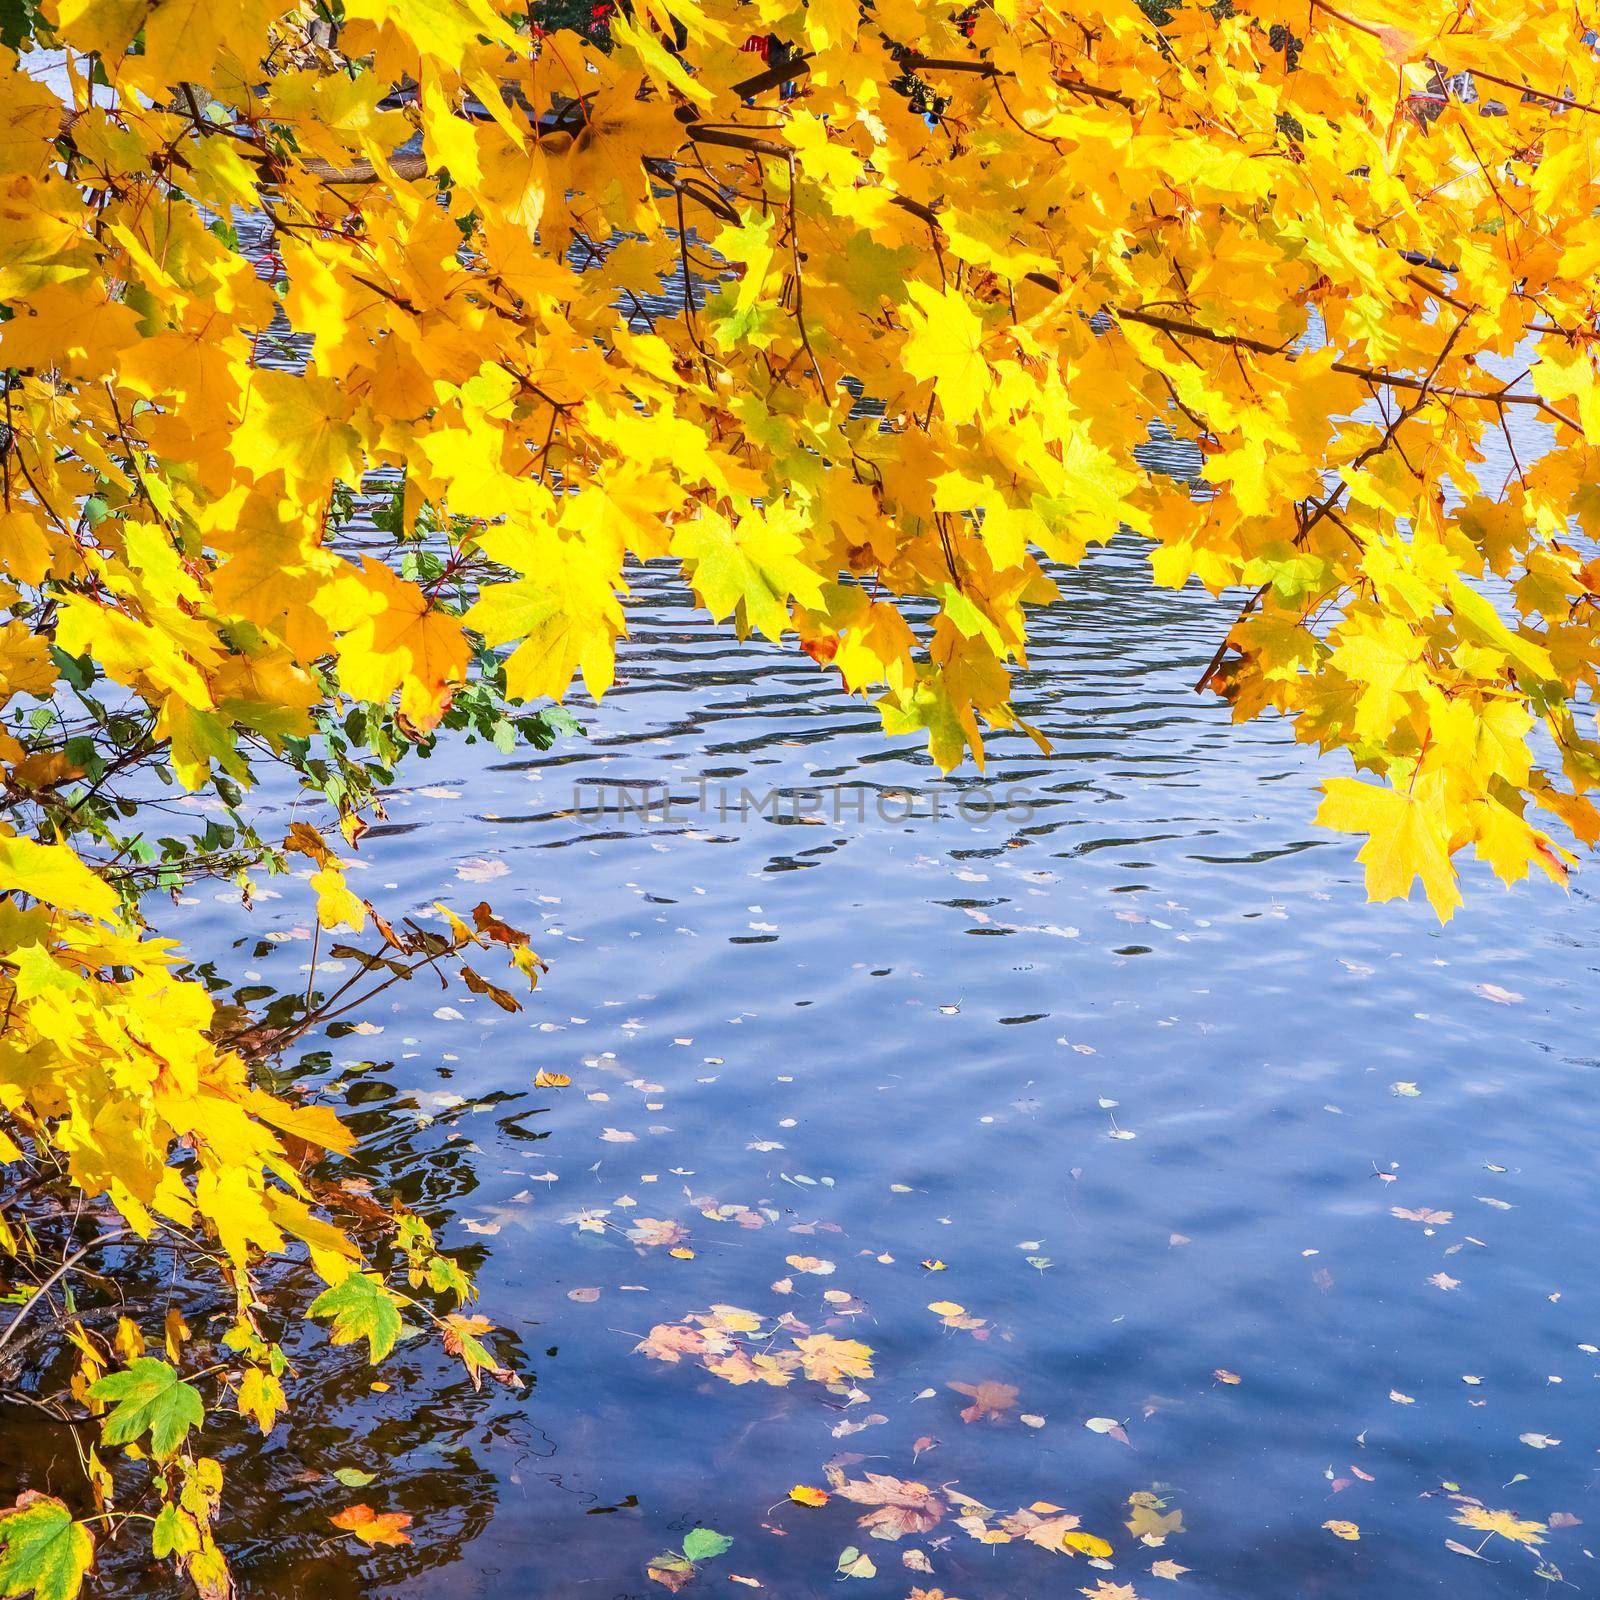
x=1343, y=1530
x=701, y=1544
x=1505, y=1523
x=1149, y=1521
x=989, y=1400
x=825, y=1359
x=671, y=1570
x=898, y=1507
x=1501, y=997
x=373, y=1527
x=481, y=869
x=854, y=1564
x=1108, y=1426
x=812, y=1264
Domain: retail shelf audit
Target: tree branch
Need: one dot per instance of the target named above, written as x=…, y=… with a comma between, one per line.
x=10, y=1330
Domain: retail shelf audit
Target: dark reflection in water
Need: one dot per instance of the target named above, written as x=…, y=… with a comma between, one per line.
x=1141, y=1068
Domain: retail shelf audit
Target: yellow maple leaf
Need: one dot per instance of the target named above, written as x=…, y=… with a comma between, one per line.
x=393, y=636
x=1506, y=1523
x=945, y=344
x=1407, y=837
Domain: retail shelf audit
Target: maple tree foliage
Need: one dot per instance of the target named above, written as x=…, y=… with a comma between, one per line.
x=942, y=269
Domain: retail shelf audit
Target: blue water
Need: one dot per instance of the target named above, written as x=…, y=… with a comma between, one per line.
x=1142, y=1068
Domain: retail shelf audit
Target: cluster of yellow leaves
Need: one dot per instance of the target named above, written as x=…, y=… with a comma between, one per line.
x=738, y=1346
x=1235, y=228
x=111, y=1064
x=108, y=1057
x=109, y=1060
x=1041, y=1523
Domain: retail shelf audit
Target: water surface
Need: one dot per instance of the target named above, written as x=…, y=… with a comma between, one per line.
x=1141, y=1068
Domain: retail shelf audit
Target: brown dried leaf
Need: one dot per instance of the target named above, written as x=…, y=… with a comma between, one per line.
x=991, y=1400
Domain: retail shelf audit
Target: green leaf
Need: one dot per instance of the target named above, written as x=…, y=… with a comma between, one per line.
x=174, y=1533
x=150, y=1397
x=361, y=1308
x=353, y=1477
x=702, y=1544
x=43, y=1552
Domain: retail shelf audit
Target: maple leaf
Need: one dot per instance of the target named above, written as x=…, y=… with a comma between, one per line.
x=296, y=424
x=373, y=1527
x=1407, y=838
x=1167, y=1568
x=899, y=1507
x=261, y=1398
x=361, y=1308
x=671, y=1341
x=1149, y=1521
x=563, y=616
x=825, y=1359
x=462, y=1337
x=991, y=1400
x=1506, y=1523
x=946, y=345
x=150, y=1398
x=54, y=874
x=43, y=1551
x=740, y=1367
x=1053, y=1529
x=654, y=1231
x=752, y=566
x=393, y=636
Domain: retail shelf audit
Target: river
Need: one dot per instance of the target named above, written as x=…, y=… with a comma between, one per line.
x=1268, y=1204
